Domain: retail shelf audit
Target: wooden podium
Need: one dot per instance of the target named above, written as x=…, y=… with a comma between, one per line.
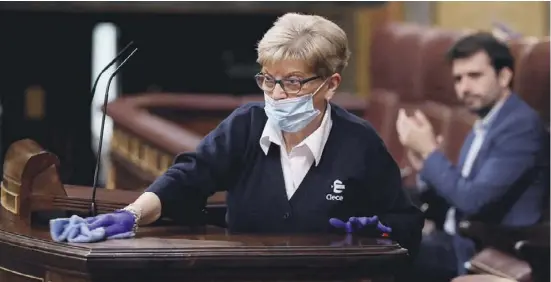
x=31, y=193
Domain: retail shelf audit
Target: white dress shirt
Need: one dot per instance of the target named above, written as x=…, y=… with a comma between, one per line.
x=297, y=163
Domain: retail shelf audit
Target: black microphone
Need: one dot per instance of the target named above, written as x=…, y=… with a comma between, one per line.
x=93, y=209
x=119, y=55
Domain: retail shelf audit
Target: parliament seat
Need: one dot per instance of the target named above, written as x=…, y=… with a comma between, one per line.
x=382, y=113
x=532, y=74
x=481, y=278
x=516, y=253
x=436, y=81
x=395, y=60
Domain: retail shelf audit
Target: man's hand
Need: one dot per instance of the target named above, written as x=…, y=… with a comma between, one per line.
x=416, y=160
x=416, y=133
x=403, y=126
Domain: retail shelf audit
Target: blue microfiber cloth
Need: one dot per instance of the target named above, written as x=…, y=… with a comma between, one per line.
x=74, y=230
x=117, y=225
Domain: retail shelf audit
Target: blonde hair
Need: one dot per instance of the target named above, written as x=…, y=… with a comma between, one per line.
x=320, y=43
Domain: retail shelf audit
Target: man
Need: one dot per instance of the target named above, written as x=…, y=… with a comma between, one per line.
x=503, y=168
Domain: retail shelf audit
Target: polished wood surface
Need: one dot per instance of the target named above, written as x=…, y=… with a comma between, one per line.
x=169, y=253
x=164, y=251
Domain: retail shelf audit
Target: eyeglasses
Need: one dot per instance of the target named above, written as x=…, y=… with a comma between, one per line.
x=289, y=85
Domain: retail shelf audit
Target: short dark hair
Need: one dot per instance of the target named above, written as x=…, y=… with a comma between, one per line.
x=499, y=53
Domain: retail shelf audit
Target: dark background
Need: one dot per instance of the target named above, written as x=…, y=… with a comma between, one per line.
x=176, y=53
x=50, y=45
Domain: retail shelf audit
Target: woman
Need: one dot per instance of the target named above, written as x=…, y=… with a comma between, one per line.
x=295, y=163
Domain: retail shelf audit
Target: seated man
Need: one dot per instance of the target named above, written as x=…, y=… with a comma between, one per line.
x=503, y=168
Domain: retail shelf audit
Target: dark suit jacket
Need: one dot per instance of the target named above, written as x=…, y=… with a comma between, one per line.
x=509, y=179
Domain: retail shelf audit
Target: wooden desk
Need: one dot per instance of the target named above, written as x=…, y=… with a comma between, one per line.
x=31, y=193
x=206, y=254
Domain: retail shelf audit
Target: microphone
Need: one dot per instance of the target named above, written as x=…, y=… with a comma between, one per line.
x=93, y=208
x=119, y=55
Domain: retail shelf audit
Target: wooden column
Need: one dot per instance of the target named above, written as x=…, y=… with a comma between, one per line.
x=528, y=18
x=367, y=20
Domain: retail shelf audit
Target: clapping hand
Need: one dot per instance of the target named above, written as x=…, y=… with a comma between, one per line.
x=416, y=133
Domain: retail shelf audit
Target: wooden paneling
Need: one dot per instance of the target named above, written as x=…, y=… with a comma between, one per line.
x=529, y=18
x=366, y=20
x=45, y=63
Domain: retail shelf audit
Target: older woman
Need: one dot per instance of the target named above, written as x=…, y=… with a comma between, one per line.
x=294, y=164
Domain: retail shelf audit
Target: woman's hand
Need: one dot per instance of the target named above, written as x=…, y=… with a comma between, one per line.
x=355, y=224
x=119, y=224
x=116, y=225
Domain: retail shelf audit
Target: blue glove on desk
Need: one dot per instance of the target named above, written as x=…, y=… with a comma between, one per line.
x=356, y=223
x=117, y=225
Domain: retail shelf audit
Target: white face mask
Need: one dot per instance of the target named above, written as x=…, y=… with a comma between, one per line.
x=292, y=114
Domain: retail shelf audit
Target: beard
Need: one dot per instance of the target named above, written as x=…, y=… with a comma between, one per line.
x=483, y=111
x=485, y=107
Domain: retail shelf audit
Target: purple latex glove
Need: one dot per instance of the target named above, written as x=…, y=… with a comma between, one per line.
x=117, y=225
x=356, y=223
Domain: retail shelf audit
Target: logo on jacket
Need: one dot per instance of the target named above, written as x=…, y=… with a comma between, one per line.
x=338, y=188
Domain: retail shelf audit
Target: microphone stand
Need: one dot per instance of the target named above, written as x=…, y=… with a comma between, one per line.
x=93, y=208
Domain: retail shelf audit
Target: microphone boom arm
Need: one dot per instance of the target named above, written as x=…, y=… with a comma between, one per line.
x=93, y=208
x=109, y=65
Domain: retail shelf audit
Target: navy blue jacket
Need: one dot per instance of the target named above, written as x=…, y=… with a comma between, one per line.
x=230, y=159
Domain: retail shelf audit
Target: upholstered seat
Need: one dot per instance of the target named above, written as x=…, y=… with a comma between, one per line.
x=481, y=278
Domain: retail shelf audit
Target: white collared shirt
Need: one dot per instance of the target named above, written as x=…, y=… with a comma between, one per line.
x=296, y=164
x=480, y=130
